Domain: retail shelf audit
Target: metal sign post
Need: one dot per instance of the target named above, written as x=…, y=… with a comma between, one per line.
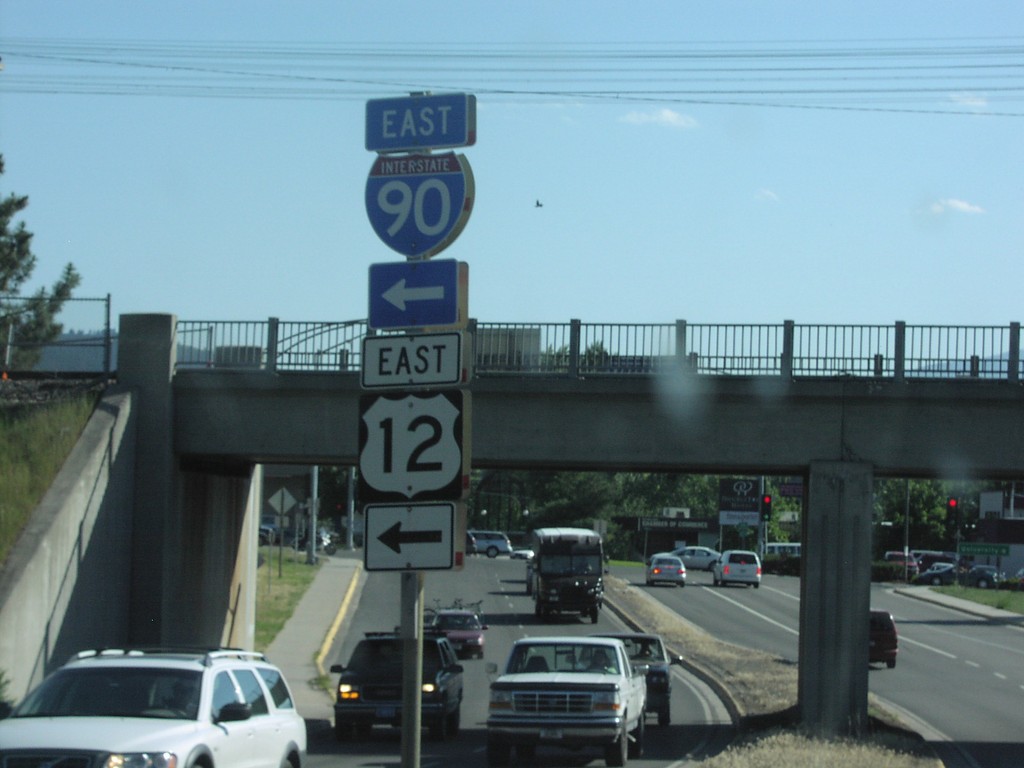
x=412, y=666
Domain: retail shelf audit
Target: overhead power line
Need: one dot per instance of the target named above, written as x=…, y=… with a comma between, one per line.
x=955, y=76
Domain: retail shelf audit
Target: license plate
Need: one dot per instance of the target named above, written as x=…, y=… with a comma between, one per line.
x=551, y=733
x=385, y=711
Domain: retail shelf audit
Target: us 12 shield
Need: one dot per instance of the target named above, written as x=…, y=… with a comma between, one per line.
x=411, y=446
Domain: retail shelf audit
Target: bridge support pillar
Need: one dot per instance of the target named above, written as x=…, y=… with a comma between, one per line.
x=835, y=599
x=194, y=553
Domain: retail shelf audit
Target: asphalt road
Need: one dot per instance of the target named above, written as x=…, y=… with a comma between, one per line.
x=700, y=725
x=961, y=677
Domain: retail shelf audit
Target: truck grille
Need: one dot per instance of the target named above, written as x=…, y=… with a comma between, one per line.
x=389, y=692
x=557, y=702
x=34, y=759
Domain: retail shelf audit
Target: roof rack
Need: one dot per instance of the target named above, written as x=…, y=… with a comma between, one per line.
x=207, y=653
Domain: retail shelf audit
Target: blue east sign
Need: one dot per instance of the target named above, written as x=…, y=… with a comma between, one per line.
x=421, y=122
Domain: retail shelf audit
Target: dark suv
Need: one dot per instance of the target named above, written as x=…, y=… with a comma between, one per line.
x=649, y=650
x=884, y=643
x=370, y=686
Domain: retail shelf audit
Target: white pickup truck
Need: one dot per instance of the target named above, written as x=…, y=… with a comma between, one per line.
x=569, y=692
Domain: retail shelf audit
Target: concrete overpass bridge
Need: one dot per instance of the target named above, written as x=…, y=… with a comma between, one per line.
x=838, y=405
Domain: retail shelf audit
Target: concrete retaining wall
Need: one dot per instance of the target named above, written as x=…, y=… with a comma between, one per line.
x=66, y=584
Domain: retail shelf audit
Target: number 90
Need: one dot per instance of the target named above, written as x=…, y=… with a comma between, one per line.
x=397, y=199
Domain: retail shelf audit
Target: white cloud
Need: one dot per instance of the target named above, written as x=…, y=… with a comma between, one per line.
x=969, y=100
x=940, y=207
x=666, y=117
x=766, y=194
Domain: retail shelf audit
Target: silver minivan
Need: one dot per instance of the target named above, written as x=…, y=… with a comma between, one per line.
x=490, y=543
x=737, y=566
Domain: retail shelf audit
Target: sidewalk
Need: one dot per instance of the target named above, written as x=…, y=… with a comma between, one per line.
x=300, y=647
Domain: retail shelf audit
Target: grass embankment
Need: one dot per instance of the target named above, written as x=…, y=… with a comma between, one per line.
x=764, y=688
x=1004, y=599
x=281, y=580
x=35, y=442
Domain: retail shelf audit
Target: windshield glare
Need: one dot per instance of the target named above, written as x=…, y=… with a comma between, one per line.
x=115, y=692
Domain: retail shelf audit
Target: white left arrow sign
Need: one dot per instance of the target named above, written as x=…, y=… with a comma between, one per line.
x=397, y=295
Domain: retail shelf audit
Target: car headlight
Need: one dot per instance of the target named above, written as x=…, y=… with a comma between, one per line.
x=348, y=692
x=607, y=701
x=142, y=760
x=501, y=699
x=429, y=687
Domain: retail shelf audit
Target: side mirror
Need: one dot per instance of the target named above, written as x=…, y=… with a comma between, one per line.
x=233, y=713
x=483, y=626
x=456, y=668
x=337, y=668
x=641, y=669
x=675, y=659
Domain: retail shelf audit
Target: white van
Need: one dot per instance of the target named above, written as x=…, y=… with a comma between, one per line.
x=490, y=543
x=786, y=548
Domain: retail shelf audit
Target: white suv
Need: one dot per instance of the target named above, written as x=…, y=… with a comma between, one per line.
x=737, y=566
x=157, y=709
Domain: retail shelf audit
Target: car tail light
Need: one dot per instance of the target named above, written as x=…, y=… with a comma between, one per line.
x=657, y=571
x=759, y=570
x=725, y=570
x=681, y=572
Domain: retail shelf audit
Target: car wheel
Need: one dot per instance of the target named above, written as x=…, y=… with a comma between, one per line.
x=936, y=581
x=615, y=754
x=593, y=615
x=497, y=753
x=891, y=663
x=635, y=747
x=439, y=729
x=982, y=583
x=664, y=715
x=454, y=722
x=757, y=586
x=492, y=551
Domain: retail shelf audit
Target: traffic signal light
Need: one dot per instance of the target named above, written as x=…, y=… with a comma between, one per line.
x=951, y=505
x=766, y=508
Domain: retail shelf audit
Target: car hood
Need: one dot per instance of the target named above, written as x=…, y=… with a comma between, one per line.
x=560, y=679
x=463, y=634
x=107, y=734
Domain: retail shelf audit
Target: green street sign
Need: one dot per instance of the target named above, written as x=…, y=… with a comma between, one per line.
x=979, y=548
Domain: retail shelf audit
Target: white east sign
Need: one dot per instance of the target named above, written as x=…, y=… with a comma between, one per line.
x=428, y=359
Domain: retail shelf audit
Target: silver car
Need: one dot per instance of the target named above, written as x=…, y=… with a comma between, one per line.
x=666, y=569
x=697, y=558
x=737, y=566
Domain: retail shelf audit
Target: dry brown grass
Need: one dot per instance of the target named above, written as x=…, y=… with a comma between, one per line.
x=764, y=688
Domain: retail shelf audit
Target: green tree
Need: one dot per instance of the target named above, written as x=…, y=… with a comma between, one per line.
x=33, y=320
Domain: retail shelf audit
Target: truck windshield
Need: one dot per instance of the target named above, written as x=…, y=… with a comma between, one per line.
x=563, y=657
x=570, y=565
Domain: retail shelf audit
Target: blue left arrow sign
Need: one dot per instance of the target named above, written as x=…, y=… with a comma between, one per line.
x=417, y=294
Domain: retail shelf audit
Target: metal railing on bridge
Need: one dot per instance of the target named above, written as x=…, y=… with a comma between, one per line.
x=576, y=349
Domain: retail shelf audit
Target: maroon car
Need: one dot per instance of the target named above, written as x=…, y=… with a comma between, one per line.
x=463, y=629
x=884, y=639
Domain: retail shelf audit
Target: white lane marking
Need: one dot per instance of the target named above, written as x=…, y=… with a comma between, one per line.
x=780, y=592
x=974, y=664
x=753, y=612
x=903, y=638
x=1000, y=675
x=919, y=644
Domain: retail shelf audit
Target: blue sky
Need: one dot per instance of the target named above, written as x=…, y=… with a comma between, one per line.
x=226, y=182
